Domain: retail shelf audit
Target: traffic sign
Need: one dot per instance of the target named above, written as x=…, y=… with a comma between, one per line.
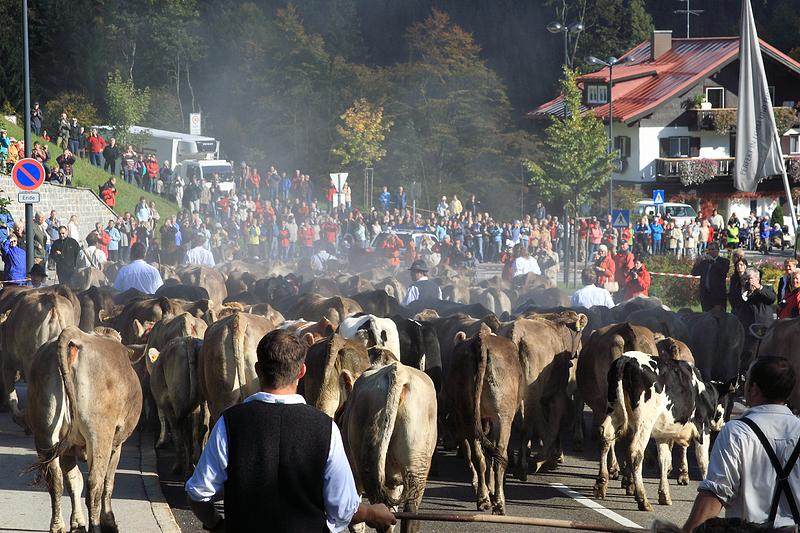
x=621, y=218
x=658, y=196
x=28, y=197
x=28, y=174
x=195, y=123
x=338, y=180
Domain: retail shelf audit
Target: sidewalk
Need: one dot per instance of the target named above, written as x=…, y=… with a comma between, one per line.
x=138, y=503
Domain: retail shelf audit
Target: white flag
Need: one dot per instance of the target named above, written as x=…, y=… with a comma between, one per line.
x=758, y=153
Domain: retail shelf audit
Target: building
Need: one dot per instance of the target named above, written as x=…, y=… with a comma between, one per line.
x=674, y=112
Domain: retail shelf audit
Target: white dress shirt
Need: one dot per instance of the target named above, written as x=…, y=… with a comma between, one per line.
x=591, y=295
x=338, y=490
x=525, y=265
x=199, y=255
x=138, y=275
x=740, y=473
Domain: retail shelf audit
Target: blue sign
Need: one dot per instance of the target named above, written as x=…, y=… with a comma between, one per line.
x=621, y=218
x=658, y=196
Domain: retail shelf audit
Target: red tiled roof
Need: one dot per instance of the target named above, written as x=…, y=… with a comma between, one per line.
x=640, y=87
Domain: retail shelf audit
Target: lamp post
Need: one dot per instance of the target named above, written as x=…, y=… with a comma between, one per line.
x=573, y=29
x=610, y=64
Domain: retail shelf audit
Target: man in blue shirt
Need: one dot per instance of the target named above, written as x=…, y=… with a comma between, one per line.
x=385, y=198
x=279, y=461
x=114, y=238
x=138, y=274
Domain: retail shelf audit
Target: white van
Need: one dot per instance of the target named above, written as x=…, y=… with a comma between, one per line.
x=681, y=213
x=206, y=171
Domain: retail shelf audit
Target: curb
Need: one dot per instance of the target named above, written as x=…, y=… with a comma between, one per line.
x=152, y=488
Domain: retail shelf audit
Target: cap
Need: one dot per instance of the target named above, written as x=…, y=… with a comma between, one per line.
x=418, y=266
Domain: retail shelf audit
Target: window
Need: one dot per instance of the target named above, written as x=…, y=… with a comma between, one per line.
x=679, y=147
x=597, y=94
x=794, y=144
x=623, y=145
x=716, y=96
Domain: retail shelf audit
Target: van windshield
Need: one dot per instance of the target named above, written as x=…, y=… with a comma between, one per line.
x=224, y=171
x=681, y=211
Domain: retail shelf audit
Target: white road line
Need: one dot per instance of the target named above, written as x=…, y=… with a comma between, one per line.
x=593, y=505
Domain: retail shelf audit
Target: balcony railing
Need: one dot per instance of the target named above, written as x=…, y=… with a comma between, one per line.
x=723, y=120
x=696, y=170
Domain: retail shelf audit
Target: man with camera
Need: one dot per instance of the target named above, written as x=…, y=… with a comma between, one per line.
x=637, y=281
x=757, y=308
x=712, y=270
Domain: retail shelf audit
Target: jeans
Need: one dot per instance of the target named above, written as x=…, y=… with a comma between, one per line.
x=110, y=164
x=36, y=129
x=94, y=158
x=478, y=244
x=74, y=146
x=656, y=246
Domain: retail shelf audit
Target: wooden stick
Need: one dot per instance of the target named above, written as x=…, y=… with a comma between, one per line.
x=505, y=519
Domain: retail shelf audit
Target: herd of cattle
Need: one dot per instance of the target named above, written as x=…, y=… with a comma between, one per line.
x=500, y=372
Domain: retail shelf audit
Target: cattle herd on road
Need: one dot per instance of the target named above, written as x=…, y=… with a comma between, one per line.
x=501, y=373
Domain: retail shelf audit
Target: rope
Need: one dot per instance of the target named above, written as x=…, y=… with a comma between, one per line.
x=510, y=520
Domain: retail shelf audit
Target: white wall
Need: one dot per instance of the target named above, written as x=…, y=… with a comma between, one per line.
x=713, y=145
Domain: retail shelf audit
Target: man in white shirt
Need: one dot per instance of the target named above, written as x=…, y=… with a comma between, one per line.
x=591, y=295
x=742, y=476
x=199, y=254
x=138, y=274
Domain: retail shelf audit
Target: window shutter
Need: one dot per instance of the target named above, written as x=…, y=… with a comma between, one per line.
x=694, y=146
x=664, y=146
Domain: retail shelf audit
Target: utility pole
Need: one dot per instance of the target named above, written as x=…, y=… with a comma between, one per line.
x=688, y=12
x=27, y=76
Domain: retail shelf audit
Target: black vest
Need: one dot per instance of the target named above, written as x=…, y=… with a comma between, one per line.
x=276, y=465
x=428, y=290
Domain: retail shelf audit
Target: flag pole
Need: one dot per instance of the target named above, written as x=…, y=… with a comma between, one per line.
x=786, y=187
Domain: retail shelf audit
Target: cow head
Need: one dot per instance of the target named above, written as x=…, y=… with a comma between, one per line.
x=141, y=330
x=108, y=332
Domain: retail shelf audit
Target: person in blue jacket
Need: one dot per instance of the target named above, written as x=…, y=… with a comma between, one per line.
x=14, y=261
x=656, y=229
x=385, y=198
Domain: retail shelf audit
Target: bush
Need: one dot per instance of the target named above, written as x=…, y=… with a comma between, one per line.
x=74, y=105
x=777, y=215
x=674, y=292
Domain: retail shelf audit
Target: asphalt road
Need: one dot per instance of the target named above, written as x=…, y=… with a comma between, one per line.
x=564, y=494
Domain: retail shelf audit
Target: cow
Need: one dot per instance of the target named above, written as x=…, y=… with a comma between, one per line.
x=381, y=332
x=92, y=301
x=212, y=280
x=36, y=317
x=316, y=330
x=782, y=338
x=227, y=360
x=175, y=387
x=86, y=277
x=716, y=339
x=315, y=308
x=665, y=399
x=83, y=401
x=486, y=390
x=496, y=300
x=419, y=347
x=547, y=345
x=670, y=348
x=148, y=309
x=326, y=362
x=377, y=303
x=662, y=321
x=388, y=427
x=191, y=293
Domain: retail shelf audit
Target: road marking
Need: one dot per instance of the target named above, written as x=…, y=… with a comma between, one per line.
x=593, y=505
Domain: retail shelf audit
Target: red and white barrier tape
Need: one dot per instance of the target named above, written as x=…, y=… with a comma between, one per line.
x=671, y=275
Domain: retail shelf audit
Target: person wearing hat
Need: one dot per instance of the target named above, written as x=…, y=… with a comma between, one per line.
x=37, y=275
x=421, y=288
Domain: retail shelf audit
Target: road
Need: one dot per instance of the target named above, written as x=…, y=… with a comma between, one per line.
x=564, y=494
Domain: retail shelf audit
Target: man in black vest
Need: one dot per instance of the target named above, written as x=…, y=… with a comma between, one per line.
x=712, y=270
x=421, y=288
x=281, y=463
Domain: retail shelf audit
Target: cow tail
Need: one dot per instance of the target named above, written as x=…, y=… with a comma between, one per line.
x=68, y=379
x=191, y=361
x=616, y=423
x=480, y=374
x=394, y=397
x=237, y=338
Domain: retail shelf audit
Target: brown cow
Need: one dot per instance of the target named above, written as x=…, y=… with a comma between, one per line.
x=227, y=360
x=301, y=328
x=326, y=361
x=83, y=401
x=547, y=346
x=486, y=389
x=86, y=277
x=92, y=301
x=36, y=318
x=210, y=279
x=175, y=386
x=669, y=348
x=144, y=310
x=315, y=308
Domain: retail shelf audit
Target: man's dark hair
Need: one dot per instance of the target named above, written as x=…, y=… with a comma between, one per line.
x=774, y=376
x=91, y=239
x=280, y=356
x=138, y=251
x=588, y=276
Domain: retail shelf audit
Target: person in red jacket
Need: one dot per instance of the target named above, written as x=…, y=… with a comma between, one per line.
x=108, y=192
x=637, y=282
x=603, y=266
x=102, y=238
x=623, y=263
x=151, y=164
x=96, y=146
x=329, y=228
x=306, y=236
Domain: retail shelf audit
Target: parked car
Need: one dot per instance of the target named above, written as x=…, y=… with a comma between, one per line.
x=681, y=213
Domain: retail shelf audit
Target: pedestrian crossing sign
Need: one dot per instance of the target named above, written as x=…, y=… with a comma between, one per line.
x=620, y=218
x=658, y=196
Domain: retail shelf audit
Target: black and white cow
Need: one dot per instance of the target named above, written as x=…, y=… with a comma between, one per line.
x=665, y=399
x=419, y=347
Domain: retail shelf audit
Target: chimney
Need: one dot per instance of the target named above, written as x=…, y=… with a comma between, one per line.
x=660, y=43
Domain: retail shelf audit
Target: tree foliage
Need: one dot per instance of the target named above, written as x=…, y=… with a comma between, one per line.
x=75, y=105
x=577, y=162
x=126, y=104
x=361, y=134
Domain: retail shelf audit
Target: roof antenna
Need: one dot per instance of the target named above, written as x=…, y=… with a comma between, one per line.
x=688, y=12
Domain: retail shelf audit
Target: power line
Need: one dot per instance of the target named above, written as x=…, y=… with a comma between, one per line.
x=688, y=12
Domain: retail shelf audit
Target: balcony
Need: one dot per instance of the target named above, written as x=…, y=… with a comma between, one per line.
x=723, y=120
x=696, y=170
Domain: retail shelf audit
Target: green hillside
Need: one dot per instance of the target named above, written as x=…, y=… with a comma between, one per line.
x=87, y=175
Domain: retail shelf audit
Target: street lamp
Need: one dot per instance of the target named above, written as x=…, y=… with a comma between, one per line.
x=573, y=29
x=610, y=64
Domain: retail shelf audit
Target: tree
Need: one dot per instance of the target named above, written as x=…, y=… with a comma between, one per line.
x=576, y=161
x=361, y=134
x=126, y=105
x=75, y=105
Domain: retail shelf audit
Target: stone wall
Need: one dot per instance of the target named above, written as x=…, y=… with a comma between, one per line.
x=67, y=201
